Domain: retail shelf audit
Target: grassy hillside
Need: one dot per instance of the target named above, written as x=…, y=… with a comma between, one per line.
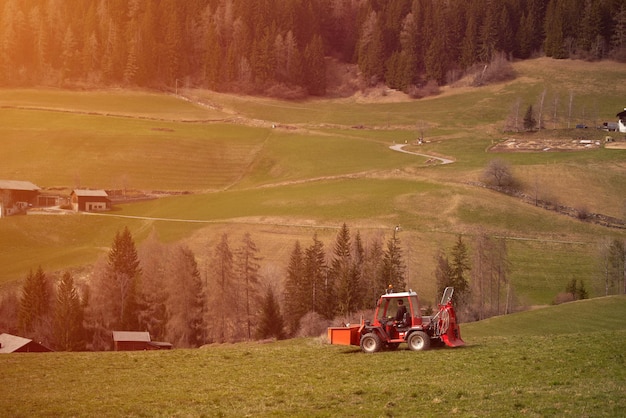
x=559, y=361
x=324, y=163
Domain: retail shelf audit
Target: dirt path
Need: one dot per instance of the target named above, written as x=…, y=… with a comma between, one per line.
x=400, y=148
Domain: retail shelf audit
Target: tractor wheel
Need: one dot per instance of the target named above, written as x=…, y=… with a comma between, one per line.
x=419, y=341
x=370, y=343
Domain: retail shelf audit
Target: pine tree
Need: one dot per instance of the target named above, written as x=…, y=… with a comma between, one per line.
x=185, y=304
x=224, y=295
x=374, y=280
x=370, y=50
x=459, y=266
x=69, y=332
x=342, y=272
x=443, y=271
x=554, y=27
x=123, y=273
x=393, y=267
x=317, y=283
x=153, y=316
x=34, y=303
x=271, y=324
x=358, y=268
x=247, y=266
x=529, y=119
x=295, y=294
x=315, y=67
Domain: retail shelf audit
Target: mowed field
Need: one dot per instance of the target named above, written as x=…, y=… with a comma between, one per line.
x=284, y=171
x=558, y=361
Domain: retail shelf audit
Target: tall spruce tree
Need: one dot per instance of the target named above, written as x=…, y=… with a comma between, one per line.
x=460, y=266
x=318, y=284
x=295, y=293
x=185, y=304
x=271, y=324
x=247, y=266
x=122, y=278
x=342, y=273
x=393, y=266
x=224, y=298
x=69, y=332
x=35, y=303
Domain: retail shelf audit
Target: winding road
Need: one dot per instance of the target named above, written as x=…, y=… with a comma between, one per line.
x=400, y=148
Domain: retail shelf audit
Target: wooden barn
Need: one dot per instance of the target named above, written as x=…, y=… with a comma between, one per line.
x=14, y=344
x=16, y=196
x=83, y=200
x=136, y=341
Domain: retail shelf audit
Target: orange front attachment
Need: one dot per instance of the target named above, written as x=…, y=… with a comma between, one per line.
x=344, y=335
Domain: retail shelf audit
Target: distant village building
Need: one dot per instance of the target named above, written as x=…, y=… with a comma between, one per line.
x=14, y=344
x=136, y=340
x=16, y=196
x=90, y=200
x=621, y=122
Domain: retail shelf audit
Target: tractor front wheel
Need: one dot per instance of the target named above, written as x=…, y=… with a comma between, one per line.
x=419, y=341
x=370, y=343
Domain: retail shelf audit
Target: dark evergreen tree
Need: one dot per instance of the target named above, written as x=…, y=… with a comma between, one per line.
x=121, y=282
x=529, y=119
x=185, y=304
x=460, y=267
x=443, y=272
x=617, y=265
x=358, y=271
x=295, y=294
x=393, y=267
x=315, y=73
x=342, y=273
x=318, y=287
x=271, y=323
x=247, y=267
x=374, y=280
x=35, y=304
x=224, y=298
x=69, y=332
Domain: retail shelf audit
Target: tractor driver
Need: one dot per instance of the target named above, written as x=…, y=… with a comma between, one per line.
x=400, y=312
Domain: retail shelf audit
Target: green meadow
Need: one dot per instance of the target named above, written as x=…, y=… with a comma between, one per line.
x=558, y=361
x=283, y=171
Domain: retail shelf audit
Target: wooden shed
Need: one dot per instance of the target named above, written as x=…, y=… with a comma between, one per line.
x=14, y=344
x=16, y=196
x=136, y=341
x=90, y=200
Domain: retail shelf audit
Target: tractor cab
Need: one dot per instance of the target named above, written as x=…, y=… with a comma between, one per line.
x=401, y=309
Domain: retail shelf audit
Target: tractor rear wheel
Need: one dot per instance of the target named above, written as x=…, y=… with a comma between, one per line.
x=419, y=341
x=370, y=343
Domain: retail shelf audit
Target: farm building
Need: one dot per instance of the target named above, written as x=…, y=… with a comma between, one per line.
x=14, y=344
x=90, y=200
x=621, y=121
x=17, y=196
x=136, y=340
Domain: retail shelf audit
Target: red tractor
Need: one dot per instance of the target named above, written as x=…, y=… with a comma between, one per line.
x=398, y=319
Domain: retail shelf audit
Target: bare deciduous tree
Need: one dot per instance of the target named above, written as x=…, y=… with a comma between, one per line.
x=498, y=173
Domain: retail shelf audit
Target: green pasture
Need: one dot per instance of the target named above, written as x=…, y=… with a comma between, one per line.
x=125, y=103
x=565, y=361
x=326, y=162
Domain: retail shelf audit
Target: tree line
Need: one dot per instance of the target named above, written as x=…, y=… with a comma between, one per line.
x=161, y=288
x=267, y=46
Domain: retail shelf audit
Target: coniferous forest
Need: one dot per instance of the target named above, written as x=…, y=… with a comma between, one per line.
x=263, y=45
